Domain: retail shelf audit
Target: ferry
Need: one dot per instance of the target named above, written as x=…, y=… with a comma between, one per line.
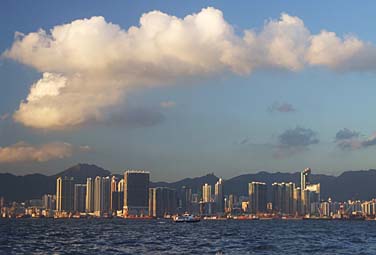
x=185, y=218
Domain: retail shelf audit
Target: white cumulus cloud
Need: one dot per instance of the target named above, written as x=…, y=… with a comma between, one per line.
x=89, y=66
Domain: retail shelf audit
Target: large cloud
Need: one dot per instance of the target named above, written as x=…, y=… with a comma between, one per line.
x=90, y=65
x=23, y=152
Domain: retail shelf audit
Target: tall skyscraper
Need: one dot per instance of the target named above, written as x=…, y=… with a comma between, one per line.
x=112, y=190
x=185, y=200
x=64, y=194
x=136, y=193
x=283, y=197
x=102, y=196
x=89, y=201
x=79, y=197
x=206, y=193
x=310, y=194
x=305, y=178
x=162, y=201
x=120, y=186
x=297, y=201
x=219, y=197
x=257, y=197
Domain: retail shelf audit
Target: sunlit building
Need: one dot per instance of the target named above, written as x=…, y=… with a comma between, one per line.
x=206, y=193
x=257, y=192
x=219, y=196
x=89, y=201
x=162, y=202
x=65, y=194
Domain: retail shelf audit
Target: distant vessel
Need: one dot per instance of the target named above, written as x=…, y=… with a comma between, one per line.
x=185, y=218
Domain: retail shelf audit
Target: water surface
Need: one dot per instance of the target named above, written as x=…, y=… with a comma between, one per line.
x=119, y=236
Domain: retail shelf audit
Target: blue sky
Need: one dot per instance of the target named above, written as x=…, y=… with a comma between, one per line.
x=274, y=119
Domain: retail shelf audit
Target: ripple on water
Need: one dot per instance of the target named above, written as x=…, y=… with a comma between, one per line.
x=118, y=236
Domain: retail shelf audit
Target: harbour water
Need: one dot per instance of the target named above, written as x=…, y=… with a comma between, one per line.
x=118, y=236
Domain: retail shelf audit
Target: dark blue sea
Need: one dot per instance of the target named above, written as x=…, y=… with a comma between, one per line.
x=118, y=236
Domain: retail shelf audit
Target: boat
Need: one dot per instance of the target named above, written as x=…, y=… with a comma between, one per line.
x=185, y=218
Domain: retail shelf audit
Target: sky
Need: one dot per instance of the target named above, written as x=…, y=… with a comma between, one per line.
x=183, y=89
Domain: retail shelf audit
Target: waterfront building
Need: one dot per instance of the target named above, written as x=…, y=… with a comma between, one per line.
x=257, y=192
x=120, y=185
x=79, y=197
x=185, y=200
x=113, y=188
x=65, y=194
x=219, y=196
x=206, y=193
x=89, y=201
x=297, y=201
x=117, y=201
x=136, y=193
x=310, y=194
x=305, y=178
x=230, y=203
x=102, y=196
x=283, y=198
x=49, y=201
x=162, y=202
x=325, y=209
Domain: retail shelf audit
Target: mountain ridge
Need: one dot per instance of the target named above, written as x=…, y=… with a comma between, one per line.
x=354, y=184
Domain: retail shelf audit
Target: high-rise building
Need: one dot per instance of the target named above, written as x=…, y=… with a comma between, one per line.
x=305, y=178
x=117, y=201
x=230, y=203
x=89, y=201
x=219, y=196
x=120, y=186
x=257, y=197
x=306, y=202
x=310, y=194
x=297, y=201
x=102, y=196
x=283, y=197
x=65, y=194
x=206, y=193
x=79, y=197
x=49, y=201
x=136, y=193
x=185, y=200
x=162, y=201
x=113, y=189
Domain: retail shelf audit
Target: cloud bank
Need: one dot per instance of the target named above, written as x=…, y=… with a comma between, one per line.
x=89, y=66
x=23, y=152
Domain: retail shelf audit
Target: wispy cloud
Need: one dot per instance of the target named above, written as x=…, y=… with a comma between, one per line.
x=281, y=107
x=24, y=152
x=168, y=104
x=4, y=116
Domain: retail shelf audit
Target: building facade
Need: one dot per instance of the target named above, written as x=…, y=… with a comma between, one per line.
x=136, y=193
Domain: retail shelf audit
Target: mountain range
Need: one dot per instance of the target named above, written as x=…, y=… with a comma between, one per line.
x=349, y=185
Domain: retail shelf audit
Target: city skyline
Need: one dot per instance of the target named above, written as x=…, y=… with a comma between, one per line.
x=269, y=89
x=131, y=197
